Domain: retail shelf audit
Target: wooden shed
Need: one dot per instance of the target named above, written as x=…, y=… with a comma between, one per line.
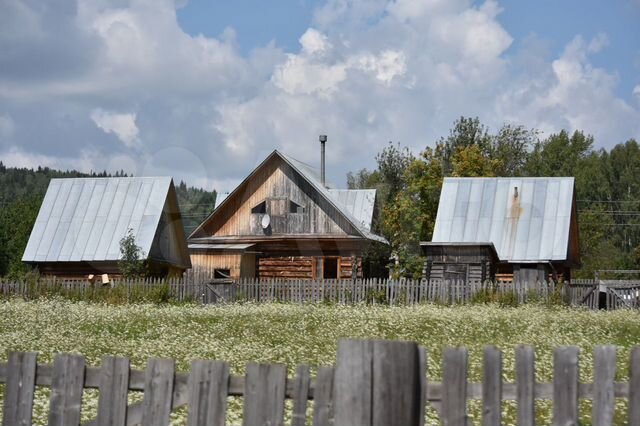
x=82, y=220
x=526, y=228
x=283, y=222
x=459, y=261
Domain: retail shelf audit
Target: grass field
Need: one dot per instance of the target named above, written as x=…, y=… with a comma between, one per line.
x=293, y=334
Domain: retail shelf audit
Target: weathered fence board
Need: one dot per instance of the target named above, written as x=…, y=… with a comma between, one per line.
x=114, y=387
x=156, y=404
x=492, y=387
x=19, y=391
x=323, y=396
x=604, y=369
x=454, y=387
x=208, y=390
x=204, y=289
x=565, y=386
x=264, y=394
x=67, y=384
x=374, y=382
x=300, y=396
x=525, y=385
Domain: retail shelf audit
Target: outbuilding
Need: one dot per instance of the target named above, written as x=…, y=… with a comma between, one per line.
x=523, y=229
x=82, y=220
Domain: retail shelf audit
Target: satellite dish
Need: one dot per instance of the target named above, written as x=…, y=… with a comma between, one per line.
x=266, y=221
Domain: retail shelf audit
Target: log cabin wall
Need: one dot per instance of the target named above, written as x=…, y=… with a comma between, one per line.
x=459, y=262
x=293, y=267
x=276, y=184
x=306, y=267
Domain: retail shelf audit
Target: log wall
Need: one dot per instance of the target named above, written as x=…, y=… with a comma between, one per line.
x=304, y=267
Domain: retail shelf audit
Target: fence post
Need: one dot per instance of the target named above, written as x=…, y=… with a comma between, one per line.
x=377, y=383
x=20, y=388
x=565, y=386
x=454, y=387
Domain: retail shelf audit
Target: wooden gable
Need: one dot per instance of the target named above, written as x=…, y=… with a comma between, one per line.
x=294, y=207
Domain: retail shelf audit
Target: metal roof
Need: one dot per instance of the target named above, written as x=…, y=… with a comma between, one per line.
x=84, y=219
x=231, y=247
x=359, y=202
x=527, y=219
x=313, y=177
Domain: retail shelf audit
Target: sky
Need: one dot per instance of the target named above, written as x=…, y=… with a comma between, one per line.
x=204, y=90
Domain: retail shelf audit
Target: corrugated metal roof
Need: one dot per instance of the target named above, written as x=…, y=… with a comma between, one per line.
x=531, y=226
x=83, y=219
x=313, y=177
x=359, y=202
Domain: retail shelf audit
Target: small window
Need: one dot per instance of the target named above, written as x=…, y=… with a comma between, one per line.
x=260, y=208
x=220, y=274
x=295, y=208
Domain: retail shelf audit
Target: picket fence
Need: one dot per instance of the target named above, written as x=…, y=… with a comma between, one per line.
x=372, y=383
x=587, y=293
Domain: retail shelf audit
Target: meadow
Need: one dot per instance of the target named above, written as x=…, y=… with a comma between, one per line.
x=293, y=334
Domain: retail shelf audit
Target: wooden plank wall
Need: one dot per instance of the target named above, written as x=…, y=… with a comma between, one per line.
x=210, y=261
x=277, y=180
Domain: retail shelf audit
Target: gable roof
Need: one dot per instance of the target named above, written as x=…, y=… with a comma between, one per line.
x=84, y=219
x=526, y=219
x=355, y=213
x=360, y=203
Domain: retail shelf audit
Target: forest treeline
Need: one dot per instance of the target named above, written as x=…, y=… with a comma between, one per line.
x=607, y=188
x=22, y=191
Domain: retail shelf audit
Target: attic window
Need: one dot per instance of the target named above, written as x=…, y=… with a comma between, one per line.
x=260, y=208
x=295, y=208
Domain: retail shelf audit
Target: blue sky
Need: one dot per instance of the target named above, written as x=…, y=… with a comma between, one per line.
x=257, y=23
x=204, y=90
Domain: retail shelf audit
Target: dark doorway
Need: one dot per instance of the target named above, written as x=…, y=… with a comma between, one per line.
x=330, y=270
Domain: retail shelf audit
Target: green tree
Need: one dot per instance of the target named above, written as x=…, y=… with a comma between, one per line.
x=510, y=149
x=131, y=263
x=559, y=154
x=466, y=132
x=16, y=222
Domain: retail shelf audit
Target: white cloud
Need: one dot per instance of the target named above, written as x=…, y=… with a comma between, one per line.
x=366, y=72
x=313, y=41
x=121, y=125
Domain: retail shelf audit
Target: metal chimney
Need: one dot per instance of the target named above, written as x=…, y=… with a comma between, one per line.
x=323, y=139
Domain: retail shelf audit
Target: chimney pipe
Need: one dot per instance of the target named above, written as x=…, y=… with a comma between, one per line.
x=323, y=139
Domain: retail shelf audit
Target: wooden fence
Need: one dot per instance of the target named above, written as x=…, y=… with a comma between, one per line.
x=372, y=383
x=587, y=293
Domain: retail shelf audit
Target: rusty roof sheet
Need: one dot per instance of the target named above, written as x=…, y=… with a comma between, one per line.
x=83, y=219
x=526, y=219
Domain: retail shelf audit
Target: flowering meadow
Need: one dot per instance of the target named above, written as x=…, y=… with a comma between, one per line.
x=293, y=334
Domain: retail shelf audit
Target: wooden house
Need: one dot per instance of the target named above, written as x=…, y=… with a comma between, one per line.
x=523, y=229
x=82, y=220
x=283, y=222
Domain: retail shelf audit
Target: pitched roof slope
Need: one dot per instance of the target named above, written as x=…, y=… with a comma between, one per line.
x=357, y=213
x=527, y=219
x=83, y=219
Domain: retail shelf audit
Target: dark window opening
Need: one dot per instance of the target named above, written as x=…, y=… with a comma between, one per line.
x=221, y=274
x=330, y=269
x=260, y=208
x=295, y=207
